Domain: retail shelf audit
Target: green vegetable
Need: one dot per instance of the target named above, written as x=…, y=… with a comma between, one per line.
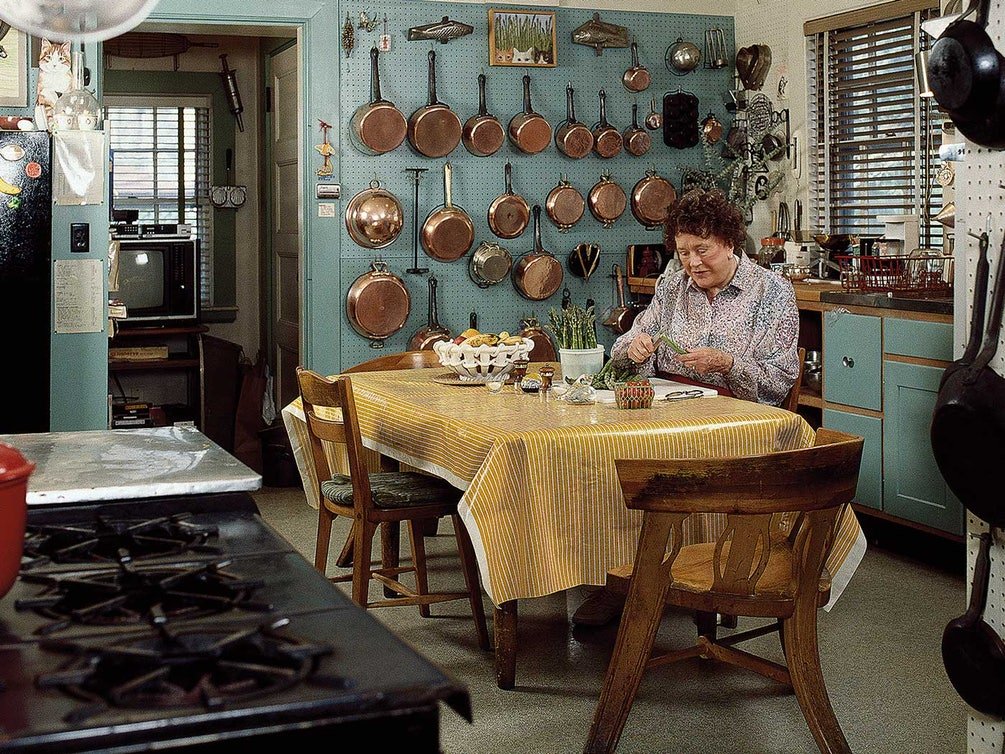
x=574, y=327
x=663, y=337
x=615, y=370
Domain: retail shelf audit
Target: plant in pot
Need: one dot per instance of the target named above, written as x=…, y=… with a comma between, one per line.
x=575, y=331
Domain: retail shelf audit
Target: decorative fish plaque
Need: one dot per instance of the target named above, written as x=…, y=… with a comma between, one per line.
x=442, y=31
x=600, y=34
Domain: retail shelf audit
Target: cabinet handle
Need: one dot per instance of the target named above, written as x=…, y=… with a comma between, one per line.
x=848, y=361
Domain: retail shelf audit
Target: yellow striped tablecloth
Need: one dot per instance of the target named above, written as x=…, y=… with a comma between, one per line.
x=542, y=501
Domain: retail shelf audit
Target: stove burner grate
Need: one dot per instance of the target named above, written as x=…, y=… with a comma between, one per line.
x=103, y=540
x=208, y=667
x=131, y=595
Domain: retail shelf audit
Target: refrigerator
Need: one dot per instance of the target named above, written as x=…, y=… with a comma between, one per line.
x=25, y=278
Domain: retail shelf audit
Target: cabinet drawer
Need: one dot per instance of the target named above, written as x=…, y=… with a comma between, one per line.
x=853, y=360
x=925, y=340
x=870, y=474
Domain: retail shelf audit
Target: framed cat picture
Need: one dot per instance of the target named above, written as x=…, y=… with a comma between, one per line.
x=14, y=49
x=522, y=38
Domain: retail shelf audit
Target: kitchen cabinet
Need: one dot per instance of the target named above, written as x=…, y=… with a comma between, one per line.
x=870, y=475
x=852, y=359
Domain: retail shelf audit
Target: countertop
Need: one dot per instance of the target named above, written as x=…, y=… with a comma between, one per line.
x=91, y=466
x=831, y=293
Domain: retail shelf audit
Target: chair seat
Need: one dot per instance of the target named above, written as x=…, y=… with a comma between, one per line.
x=394, y=489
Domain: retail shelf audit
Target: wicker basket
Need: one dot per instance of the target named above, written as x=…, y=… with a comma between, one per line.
x=633, y=396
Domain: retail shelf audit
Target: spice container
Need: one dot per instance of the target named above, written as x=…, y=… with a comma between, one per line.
x=547, y=375
x=634, y=394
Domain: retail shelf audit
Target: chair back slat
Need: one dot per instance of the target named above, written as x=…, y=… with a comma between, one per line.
x=749, y=547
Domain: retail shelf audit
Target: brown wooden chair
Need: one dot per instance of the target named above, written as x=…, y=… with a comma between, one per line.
x=372, y=499
x=791, y=402
x=780, y=514
x=402, y=360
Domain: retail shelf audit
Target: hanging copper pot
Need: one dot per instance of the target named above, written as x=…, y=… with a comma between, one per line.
x=529, y=131
x=377, y=126
x=637, y=78
x=712, y=129
x=607, y=201
x=509, y=213
x=448, y=232
x=433, y=332
x=544, y=348
x=606, y=138
x=573, y=138
x=434, y=130
x=637, y=140
x=652, y=198
x=483, y=134
x=565, y=205
x=378, y=304
x=538, y=274
x=374, y=217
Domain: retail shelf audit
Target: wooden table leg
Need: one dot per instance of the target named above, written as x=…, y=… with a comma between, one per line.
x=390, y=542
x=504, y=625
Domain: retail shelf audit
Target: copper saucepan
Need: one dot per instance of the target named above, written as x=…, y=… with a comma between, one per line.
x=652, y=198
x=538, y=274
x=509, y=213
x=374, y=217
x=637, y=78
x=378, y=304
x=448, y=232
x=607, y=201
x=637, y=139
x=434, y=130
x=377, y=126
x=565, y=205
x=433, y=332
x=617, y=318
x=483, y=134
x=529, y=131
x=573, y=139
x=606, y=138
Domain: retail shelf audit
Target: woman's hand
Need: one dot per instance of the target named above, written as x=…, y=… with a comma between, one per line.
x=705, y=360
x=641, y=348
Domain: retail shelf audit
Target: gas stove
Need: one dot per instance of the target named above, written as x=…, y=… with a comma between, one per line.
x=188, y=622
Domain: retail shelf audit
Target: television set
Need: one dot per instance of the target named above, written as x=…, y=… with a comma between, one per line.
x=158, y=281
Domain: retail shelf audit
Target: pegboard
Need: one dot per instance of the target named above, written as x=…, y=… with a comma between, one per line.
x=477, y=181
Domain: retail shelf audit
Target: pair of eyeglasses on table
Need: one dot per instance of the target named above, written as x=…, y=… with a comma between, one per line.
x=682, y=395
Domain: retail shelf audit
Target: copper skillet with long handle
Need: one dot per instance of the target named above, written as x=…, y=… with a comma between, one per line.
x=538, y=274
x=377, y=126
x=509, y=213
x=434, y=130
x=483, y=135
x=529, y=131
x=637, y=139
x=573, y=138
x=433, y=332
x=448, y=232
x=637, y=78
x=606, y=138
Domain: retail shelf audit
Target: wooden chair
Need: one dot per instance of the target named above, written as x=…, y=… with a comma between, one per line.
x=372, y=499
x=791, y=402
x=780, y=514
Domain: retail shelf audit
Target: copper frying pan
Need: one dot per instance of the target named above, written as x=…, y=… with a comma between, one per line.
x=433, y=332
x=377, y=126
x=483, y=134
x=637, y=139
x=607, y=201
x=448, y=232
x=652, y=198
x=565, y=205
x=573, y=139
x=637, y=78
x=538, y=274
x=606, y=138
x=378, y=304
x=509, y=213
x=529, y=131
x=434, y=130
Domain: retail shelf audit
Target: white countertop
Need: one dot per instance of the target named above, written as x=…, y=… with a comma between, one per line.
x=72, y=467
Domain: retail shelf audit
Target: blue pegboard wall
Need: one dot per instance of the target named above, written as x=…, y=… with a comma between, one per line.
x=478, y=180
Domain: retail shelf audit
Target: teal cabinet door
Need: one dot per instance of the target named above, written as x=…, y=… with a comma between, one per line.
x=870, y=474
x=913, y=488
x=853, y=360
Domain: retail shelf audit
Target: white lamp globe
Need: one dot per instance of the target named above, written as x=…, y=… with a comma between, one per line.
x=75, y=20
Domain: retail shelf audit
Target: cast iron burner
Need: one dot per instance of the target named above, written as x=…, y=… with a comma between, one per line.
x=103, y=540
x=131, y=595
x=210, y=668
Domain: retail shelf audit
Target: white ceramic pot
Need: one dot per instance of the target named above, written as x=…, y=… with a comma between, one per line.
x=579, y=361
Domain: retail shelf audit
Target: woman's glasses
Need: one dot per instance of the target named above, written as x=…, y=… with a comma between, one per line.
x=683, y=395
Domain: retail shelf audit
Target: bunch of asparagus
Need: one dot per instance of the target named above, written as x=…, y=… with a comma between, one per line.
x=574, y=326
x=615, y=370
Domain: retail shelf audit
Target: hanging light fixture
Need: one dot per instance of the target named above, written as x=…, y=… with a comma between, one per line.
x=75, y=20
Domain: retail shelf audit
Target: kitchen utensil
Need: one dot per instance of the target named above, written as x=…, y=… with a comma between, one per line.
x=565, y=205
x=509, y=213
x=607, y=201
x=544, y=348
x=442, y=31
x=972, y=651
x=374, y=217
x=229, y=195
x=968, y=424
x=680, y=119
x=378, y=304
x=448, y=233
x=232, y=93
x=637, y=78
x=490, y=264
x=834, y=242
x=573, y=138
x=600, y=35
x=682, y=57
x=483, y=135
x=636, y=139
x=538, y=274
x=606, y=138
x=566, y=298
x=434, y=130
x=652, y=198
x=529, y=131
x=616, y=318
x=759, y=70
x=947, y=215
x=654, y=121
x=715, y=48
x=784, y=223
x=139, y=44
x=14, y=472
x=584, y=259
x=711, y=128
x=416, y=178
x=377, y=126
x=433, y=332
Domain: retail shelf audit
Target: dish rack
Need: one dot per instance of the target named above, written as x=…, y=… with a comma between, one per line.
x=920, y=277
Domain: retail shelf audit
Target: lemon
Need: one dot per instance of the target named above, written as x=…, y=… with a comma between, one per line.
x=470, y=333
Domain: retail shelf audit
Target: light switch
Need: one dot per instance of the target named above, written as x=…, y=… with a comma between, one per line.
x=80, y=238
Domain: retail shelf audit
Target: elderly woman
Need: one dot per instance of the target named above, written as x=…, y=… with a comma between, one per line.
x=737, y=322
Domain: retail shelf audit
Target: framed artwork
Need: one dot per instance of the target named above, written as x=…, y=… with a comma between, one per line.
x=647, y=260
x=14, y=69
x=522, y=38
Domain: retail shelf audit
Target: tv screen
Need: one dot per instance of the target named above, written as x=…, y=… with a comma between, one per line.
x=141, y=278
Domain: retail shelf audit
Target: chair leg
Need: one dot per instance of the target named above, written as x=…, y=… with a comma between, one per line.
x=390, y=545
x=799, y=637
x=325, y=517
x=469, y=566
x=419, y=562
x=344, y=559
x=364, y=531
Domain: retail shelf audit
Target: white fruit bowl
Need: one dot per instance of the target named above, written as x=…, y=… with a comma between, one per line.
x=481, y=363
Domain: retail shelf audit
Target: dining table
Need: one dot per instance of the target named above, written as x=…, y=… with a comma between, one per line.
x=542, y=502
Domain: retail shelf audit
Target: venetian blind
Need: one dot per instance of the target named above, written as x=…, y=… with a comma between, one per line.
x=160, y=151
x=873, y=139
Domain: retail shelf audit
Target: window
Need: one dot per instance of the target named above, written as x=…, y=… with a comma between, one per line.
x=160, y=151
x=873, y=139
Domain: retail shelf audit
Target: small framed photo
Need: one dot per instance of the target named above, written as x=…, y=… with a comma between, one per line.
x=522, y=38
x=14, y=49
x=647, y=260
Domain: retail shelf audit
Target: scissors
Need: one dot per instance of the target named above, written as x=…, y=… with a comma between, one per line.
x=683, y=395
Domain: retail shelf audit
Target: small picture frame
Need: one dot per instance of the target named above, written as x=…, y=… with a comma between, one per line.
x=14, y=69
x=647, y=260
x=522, y=38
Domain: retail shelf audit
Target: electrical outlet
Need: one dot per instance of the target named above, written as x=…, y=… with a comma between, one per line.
x=80, y=238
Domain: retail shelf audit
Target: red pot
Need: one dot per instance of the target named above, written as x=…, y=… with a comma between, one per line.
x=14, y=473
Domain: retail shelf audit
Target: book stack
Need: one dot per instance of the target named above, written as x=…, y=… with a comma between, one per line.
x=138, y=353
x=131, y=414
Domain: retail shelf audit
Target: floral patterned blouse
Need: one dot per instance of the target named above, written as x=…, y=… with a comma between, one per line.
x=754, y=319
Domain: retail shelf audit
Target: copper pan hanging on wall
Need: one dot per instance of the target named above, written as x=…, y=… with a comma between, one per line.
x=374, y=217
x=448, y=233
x=509, y=213
x=607, y=201
x=378, y=304
x=573, y=138
x=651, y=200
x=483, y=135
x=434, y=130
x=538, y=274
x=529, y=131
x=565, y=205
x=377, y=126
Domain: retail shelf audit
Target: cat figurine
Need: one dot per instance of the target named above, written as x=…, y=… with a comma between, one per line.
x=523, y=57
x=54, y=75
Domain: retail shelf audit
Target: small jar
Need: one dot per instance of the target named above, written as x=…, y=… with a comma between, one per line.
x=547, y=375
x=519, y=372
x=772, y=251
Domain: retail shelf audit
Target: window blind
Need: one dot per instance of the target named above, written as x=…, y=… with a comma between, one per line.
x=161, y=161
x=873, y=139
